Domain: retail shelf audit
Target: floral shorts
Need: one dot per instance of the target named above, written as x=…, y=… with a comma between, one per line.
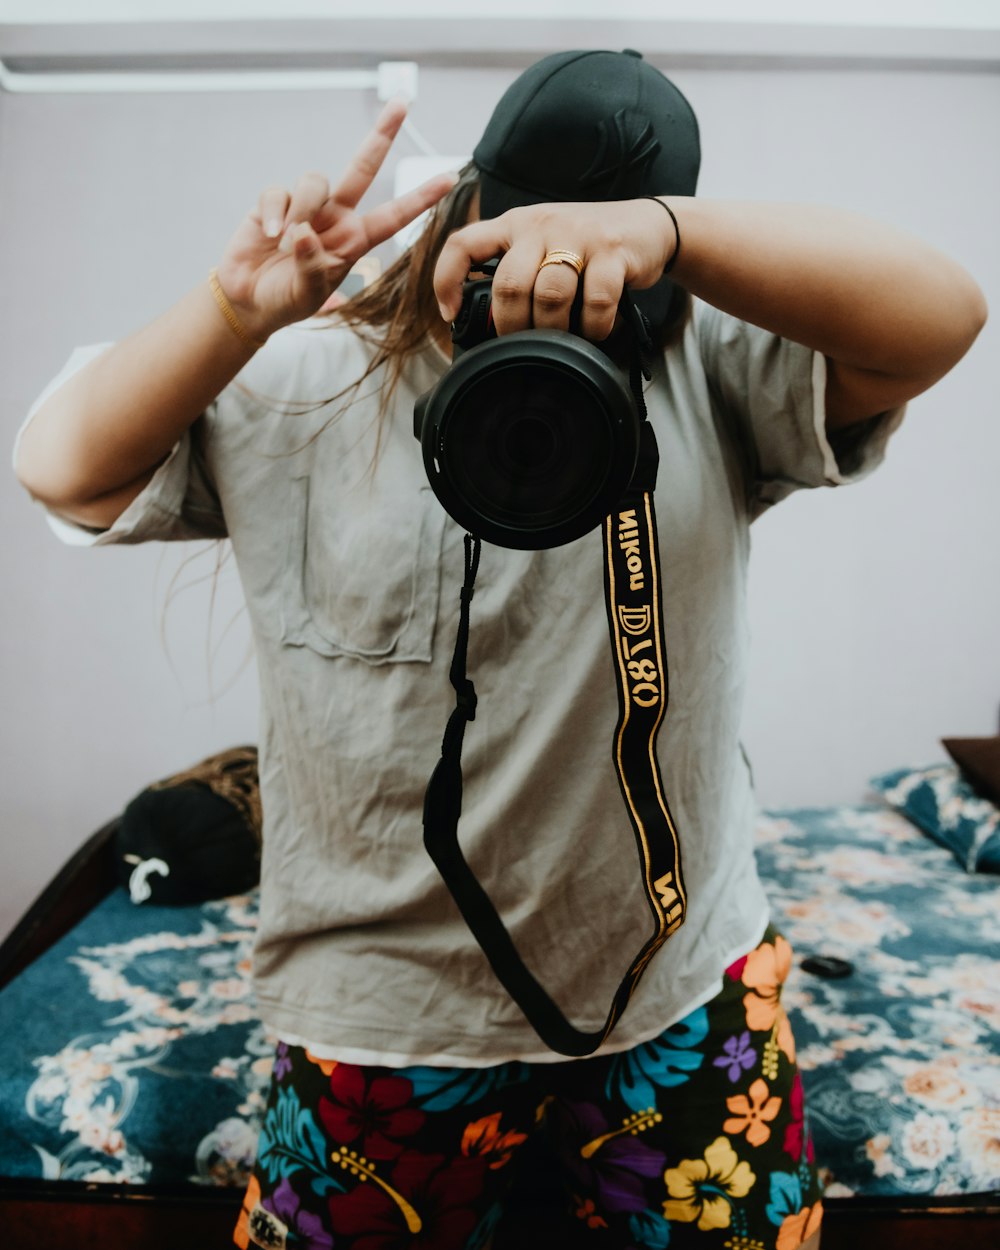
x=697, y=1138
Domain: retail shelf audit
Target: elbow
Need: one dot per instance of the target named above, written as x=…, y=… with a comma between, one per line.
x=957, y=326
x=27, y=473
x=970, y=315
x=71, y=497
x=38, y=476
x=51, y=474
x=979, y=313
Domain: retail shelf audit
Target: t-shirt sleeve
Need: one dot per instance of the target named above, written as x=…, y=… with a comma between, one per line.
x=772, y=393
x=179, y=502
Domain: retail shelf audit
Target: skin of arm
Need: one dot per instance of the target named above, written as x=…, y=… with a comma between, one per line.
x=890, y=314
x=92, y=446
x=96, y=442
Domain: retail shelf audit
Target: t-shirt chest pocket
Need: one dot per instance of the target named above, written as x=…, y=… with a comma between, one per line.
x=363, y=580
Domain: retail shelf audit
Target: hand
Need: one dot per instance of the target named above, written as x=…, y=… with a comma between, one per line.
x=624, y=243
x=295, y=248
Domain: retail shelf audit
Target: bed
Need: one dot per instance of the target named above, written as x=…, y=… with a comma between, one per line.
x=133, y=1070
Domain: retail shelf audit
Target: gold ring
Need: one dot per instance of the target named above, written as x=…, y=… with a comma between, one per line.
x=560, y=256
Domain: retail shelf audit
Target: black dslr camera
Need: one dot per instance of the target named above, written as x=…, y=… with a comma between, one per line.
x=530, y=439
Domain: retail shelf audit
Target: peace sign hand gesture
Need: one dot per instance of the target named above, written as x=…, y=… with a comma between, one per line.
x=295, y=248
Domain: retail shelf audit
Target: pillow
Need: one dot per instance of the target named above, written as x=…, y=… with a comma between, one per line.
x=938, y=800
x=195, y=836
x=979, y=760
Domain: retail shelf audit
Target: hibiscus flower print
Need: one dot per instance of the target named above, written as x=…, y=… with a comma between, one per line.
x=703, y=1189
x=752, y=1112
x=425, y=1205
x=796, y=1136
x=306, y=1227
x=376, y=1115
x=795, y=1229
x=483, y=1138
x=765, y=971
x=606, y=1160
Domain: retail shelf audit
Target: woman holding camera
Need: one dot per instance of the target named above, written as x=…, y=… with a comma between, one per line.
x=407, y=1083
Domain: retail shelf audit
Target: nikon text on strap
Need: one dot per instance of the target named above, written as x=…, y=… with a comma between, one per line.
x=633, y=596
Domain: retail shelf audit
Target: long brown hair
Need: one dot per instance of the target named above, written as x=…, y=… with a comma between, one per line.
x=398, y=312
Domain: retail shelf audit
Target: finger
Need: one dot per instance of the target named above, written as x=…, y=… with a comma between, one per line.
x=382, y=223
x=271, y=209
x=368, y=159
x=553, y=296
x=475, y=243
x=319, y=271
x=603, y=282
x=514, y=286
x=309, y=195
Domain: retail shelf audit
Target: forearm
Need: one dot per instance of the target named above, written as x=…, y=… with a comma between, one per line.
x=890, y=313
x=869, y=297
x=111, y=424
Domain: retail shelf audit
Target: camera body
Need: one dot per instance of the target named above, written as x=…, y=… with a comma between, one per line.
x=530, y=439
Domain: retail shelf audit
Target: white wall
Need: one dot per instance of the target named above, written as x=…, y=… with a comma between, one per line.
x=908, y=13
x=874, y=610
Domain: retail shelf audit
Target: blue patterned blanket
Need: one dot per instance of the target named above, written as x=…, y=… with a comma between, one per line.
x=131, y=1052
x=901, y=1058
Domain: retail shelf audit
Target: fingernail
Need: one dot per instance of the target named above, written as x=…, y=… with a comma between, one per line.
x=445, y=314
x=273, y=228
x=287, y=240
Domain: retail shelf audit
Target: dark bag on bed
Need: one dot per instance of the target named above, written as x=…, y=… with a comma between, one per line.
x=194, y=836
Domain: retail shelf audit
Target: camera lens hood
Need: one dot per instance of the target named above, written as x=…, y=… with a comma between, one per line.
x=529, y=440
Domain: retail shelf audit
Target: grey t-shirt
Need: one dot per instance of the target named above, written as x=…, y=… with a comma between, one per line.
x=351, y=571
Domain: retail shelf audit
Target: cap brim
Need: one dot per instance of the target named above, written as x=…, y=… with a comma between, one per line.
x=496, y=197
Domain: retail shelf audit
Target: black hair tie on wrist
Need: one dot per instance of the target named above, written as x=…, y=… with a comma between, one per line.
x=677, y=231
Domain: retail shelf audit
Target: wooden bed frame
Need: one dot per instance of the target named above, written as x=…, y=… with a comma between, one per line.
x=53, y=1215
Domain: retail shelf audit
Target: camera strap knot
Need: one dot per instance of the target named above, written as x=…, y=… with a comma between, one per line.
x=466, y=700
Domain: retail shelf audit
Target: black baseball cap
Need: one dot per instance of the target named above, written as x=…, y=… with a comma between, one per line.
x=590, y=125
x=587, y=126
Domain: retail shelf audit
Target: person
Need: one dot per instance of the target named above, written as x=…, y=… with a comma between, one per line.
x=407, y=1084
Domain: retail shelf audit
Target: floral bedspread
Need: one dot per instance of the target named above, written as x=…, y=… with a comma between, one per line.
x=131, y=1051
x=900, y=1057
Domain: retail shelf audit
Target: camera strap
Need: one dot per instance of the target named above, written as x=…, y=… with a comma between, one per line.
x=633, y=597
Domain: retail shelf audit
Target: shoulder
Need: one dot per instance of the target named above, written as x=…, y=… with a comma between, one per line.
x=712, y=329
x=739, y=356
x=307, y=362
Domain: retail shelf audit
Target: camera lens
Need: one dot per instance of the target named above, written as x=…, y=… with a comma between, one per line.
x=532, y=441
x=528, y=447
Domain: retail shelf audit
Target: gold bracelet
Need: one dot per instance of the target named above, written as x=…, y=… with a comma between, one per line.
x=229, y=312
